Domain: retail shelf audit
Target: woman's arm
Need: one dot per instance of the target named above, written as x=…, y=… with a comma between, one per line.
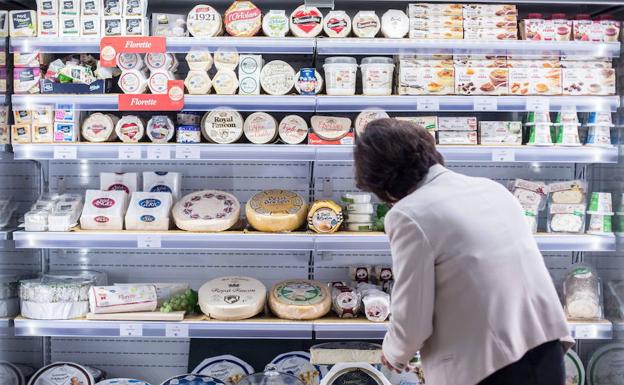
x=413, y=294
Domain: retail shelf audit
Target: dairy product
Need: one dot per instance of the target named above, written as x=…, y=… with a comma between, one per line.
x=127, y=182
x=277, y=78
x=588, y=81
x=293, y=129
x=204, y=21
x=158, y=81
x=90, y=26
x=122, y=299
x=135, y=26
x=306, y=21
x=62, y=373
x=21, y=133
x=49, y=25
x=232, y=298
x=199, y=60
x=308, y=82
x=276, y=211
x=90, y=8
x=165, y=24
x=23, y=23
x=162, y=181
x=260, y=128
x=416, y=79
x=453, y=123
x=160, y=129
x=130, y=61
x=188, y=134
x=207, y=210
x=26, y=80
x=133, y=82
x=337, y=24
x=300, y=299
x=340, y=75
x=366, y=24
x=354, y=373
x=226, y=368
x=325, y=217
x=275, y=23
x=457, y=137
x=535, y=81
x=149, y=211
x=298, y=364
x=130, y=129
x=366, y=117
x=65, y=132
x=242, y=19
x=198, y=82
x=249, y=70
x=112, y=26
x=500, y=132
x=481, y=81
x=104, y=210
x=42, y=133
x=226, y=59
x=161, y=61
x=330, y=128
x=99, y=127
x=377, y=75
x=112, y=8
x=225, y=82
x=395, y=24
x=434, y=9
x=222, y=126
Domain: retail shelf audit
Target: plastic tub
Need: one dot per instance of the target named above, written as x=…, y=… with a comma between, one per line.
x=377, y=75
x=340, y=75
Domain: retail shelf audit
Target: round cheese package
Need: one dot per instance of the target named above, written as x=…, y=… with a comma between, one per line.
x=130, y=129
x=225, y=82
x=395, y=24
x=306, y=21
x=331, y=128
x=226, y=368
x=354, y=373
x=160, y=129
x=337, y=24
x=199, y=60
x=309, y=81
x=300, y=299
x=366, y=117
x=99, y=127
x=133, y=82
x=276, y=211
x=298, y=364
x=130, y=61
x=122, y=381
x=275, y=23
x=10, y=374
x=293, y=129
x=204, y=21
x=232, y=298
x=222, y=126
x=198, y=82
x=207, y=210
x=62, y=373
x=277, y=78
x=325, y=217
x=260, y=128
x=192, y=379
x=366, y=24
x=243, y=19
x=575, y=372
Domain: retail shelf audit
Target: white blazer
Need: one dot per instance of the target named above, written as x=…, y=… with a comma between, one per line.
x=471, y=292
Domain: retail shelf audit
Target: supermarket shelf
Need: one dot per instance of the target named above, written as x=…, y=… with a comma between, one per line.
x=5, y=152
x=259, y=45
x=463, y=103
x=233, y=240
x=358, y=46
x=6, y=239
x=303, y=153
x=591, y=330
x=6, y=327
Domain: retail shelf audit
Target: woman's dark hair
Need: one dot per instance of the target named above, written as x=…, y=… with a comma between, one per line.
x=392, y=157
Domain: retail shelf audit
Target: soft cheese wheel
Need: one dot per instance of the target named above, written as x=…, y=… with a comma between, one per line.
x=222, y=126
x=99, y=127
x=325, y=216
x=277, y=78
x=158, y=81
x=207, y=210
x=300, y=299
x=366, y=24
x=204, y=21
x=366, y=117
x=51, y=374
x=225, y=82
x=232, y=298
x=330, y=128
x=130, y=129
x=276, y=211
x=226, y=59
x=260, y=128
x=276, y=24
x=293, y=129
x=198, y=82
x=133, y=82
x=337, y=24
x=243, y=19
x=306, y=21
x=395, y=24
x=199, y=60
x=160, y=129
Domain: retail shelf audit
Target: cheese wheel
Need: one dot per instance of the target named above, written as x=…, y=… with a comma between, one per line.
x=133, y=82
x=207, y=210
x=130, y=129
x=204, y=21
x=161, y=61
x=277, y=78
x=66, y=372
x=325, y=217
x=354, y=373
x=225, y=82
x=199, y=60
x=226, y=59
x=300, y=299
x=260, y=128
x=395, y=24
x=158, y=81
x=130, y=61
x=337, y=24
x=243, y=19
x=293, y=129
x=306, y=21
x=330, y=128
x=366, y=117
x=275, y=24
x=160, y=129
x=99, y=127
x=198, y=83
x=276, y=211
x=366, y=24
x=222, y=126
x=232, y=298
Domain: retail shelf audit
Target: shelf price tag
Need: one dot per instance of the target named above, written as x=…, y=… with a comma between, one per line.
x=158, y=152
x=538, y=104
x=188, y=152
x=584, y=331
x=485, y=104
x=129, y=152
x=152, y=241
x=173, y=100
x=110, y=46
x=131, y=330
x=65, y=152
x=503, y=155
x=568, y=108
x=428, y=104
x=176, y=331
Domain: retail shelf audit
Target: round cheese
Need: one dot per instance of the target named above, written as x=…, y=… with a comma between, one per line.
x=354, y=373
x=204, y=21
x=130, y=61
x=122, y=381
x=62, y=373
x=276, y=211
x=243, y=19
x=260, y=128
x=225, y=82
x=226, y=59
x=275, y=24
x=366, y=24
x=306, y=21
x=298, y=364
x=300, y=299
x=99, y=127
x=325, y=217
x=226, y=368
x=395, y=24
x=133, y=82
x=337, y=24
x=198, y=82
x=309, y=82
x=330, y=128
x=574, y=369
x=277, y=78
x=158, y=81
x=293, y=129
x=161, y=61
x=604, y=364
x=222, y=126
x=366, y=117
x=160, y=129
x=192, y=379
x=232, y=298
x=207, y=210
x=10, y=374
x=130, y=129
x=199, y=60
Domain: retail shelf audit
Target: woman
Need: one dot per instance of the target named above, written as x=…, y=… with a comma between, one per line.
x=471, y=291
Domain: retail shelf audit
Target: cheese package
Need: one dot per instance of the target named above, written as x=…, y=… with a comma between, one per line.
x=169, y=25
x=293, y=129
x=22, y=116
x=226, y=59
x=277, y=78
x=5, y=134
x=354, y=373
x=62, y=373
x=47, y=7
x=112, y=8
x=91, y=8
x=204, y=21
x=158, y=81
x=308, y=81
x=26, y=80
x=275, y=23
x=198, y=83
x=130, y=129
x=112, y=26
x=225, y=82
x=149, y=211
x=395, y=24
x=161, y=61
x=162, y=181
x=566, y=218
x=23, y=23
x=568, y=192
x=276, y=211
x=242, y=19
x=260, y=128
x=127, y=182
x=499, y=132
x=207, y=210
x=134, y=8
x=133, y=81
x=160, y=129
x=366, y=117
x=104, y=210
x=458, y=137
x=346, y=302
x=69, y=7
x=199, y=60
x=226, y=368
x=366, y=24
x=455, y=123
x=232, y=298
x=300, y=299
x=48, y=25
x=337, y=24
x=332, y=353
x=325, y=217
x=164, y=291
x=249, y=70
x=122, y=299
x=66, y=132
x=298, y=364
x=99, y=127
x=376, y=302
x=90, y=26
x=222, y=126
x=69, y=26
x=306, y=21
x=330, y=128
x=42, y=133
x=188, y=134
x=130, y=61
x=21, y=133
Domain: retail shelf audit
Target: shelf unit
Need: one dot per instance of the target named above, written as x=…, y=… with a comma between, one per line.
x=5, y=152
x=6, y=239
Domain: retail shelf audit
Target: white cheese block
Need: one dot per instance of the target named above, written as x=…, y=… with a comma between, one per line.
x=232, y=298
x=298, y=364
x=242, y=19
x=332, y=353
x=395, y=24
x=293, y=129
x=306, y=21
x=99, y=127
x=62, y=373
x=23, y=23
x=160, y=129
x=226, y=368
x=354, y=373
x=133, y=82
x=276, y=24
x=149, y=211
x=366, y=117
x=366, y=24
x=158, y=81
x=225, y=82
x=162, y=181
x=207, y=210
x=127, y=182
x=130, y=61
x=122, y=299
x=104, y=210
x=164, y=291
x=199, y=60
x=276, y=211
x=330, y=127
x=337, y=24
x=260, y=128
x=300, y=299
x=204, y=21
x=222, y=126
x=130, y=129
x=277, y=78
x=226, y=59
x=198, y=82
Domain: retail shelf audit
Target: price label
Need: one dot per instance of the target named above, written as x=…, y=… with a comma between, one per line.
x=149, y=241
x=428, y=104
x=158, y=153
x=176, y=331
x=583, y=331
x=503, y=155
x=187, y=152
x=129, y=152
x=131, y=330
x=485, y=104
x=538, y=104
x=65, y=152
x=568, y=108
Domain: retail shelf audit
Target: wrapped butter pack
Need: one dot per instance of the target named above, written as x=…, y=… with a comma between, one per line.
x=122, y=299
x=104, y=210
x=149, y=211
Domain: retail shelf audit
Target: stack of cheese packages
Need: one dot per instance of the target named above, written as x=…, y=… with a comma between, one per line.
x=490, y=22
x=435, y=21
x=566, y=207
x=54, y=212
x=45, y=125
x=138, y=73
x=457, y=130
x=532, y=198
x=359, y=211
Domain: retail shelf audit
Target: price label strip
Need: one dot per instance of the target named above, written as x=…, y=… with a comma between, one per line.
x=485, y=104
x=538, y=104
x=188, y=152
x=131, y=330
x=177, y=331
x=584, y=331
x=155, y=152
x=151, y=241
x=129, y=152
x=428, y=104
x=503, y=155
x=65, y=152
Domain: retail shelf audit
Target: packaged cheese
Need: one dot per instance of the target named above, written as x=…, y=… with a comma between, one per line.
x=99, y=127
x=222, y=126
x=4, y=23
x=135, y=26
x=306, y=21
x=207, y=210
x=242, y=19
x=130, y=129
x=337, y=24
x=275, y=24
x=500, y=132
x=457, y=123
x=49, y=25
x=133, y=81
x=66, y=132
x=298, y=364
x=104, y=210
x=158, y=81
x=90, y=8
x=325, y=216
x=355, y=372
x=112, y=26
x=346, y=301
x=366, y=117
x=160, y=129
x=568, y=192
x=149, y=211
x=300, y=299
x=21, y=133
x=90, y=26
x=198, y=83
x=162, y=181
x=204, y=21
x=226, y=368
x=134, y=8
x=127, y=182
x=226, y=59
x=48, y=7
x=23, y=23
x=366, y=24
x=169, y=25
x=69, y=26
x=331, y=128
x=26, y=80
x=225, y=82
x=161, y=61
x=376, y=302
x=276, y=211
x=395, y=24
x=277, y=78
x=130, y=61
x=232, y=298
x=457, y=137
x=122, y=299
x=112, y=8
x=249, y=70
x=332, y=353
x=199, y=60
x=293, y=129
x=260, y=128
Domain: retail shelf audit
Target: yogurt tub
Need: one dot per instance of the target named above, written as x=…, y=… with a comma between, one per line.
x=377, y=75
x=340, y=75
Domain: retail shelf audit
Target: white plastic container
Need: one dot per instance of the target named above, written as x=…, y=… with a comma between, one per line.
x=340, y=75
x=377, y=75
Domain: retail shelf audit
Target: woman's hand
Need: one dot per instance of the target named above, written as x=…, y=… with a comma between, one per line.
x=388, y=365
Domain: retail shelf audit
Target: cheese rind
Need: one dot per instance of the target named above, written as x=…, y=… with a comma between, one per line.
x=277, y=78
x=300, y=299
x=276, y=211
x=207, y=210
x=232, y=298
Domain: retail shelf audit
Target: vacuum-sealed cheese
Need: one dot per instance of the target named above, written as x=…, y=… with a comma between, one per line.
x=149, y=211
x=122, y=299
x=162, y=181
x=104, y=210
x=276, y=211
